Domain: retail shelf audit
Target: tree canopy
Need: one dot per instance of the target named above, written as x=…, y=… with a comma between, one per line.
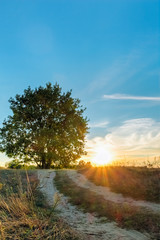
x=47, y=127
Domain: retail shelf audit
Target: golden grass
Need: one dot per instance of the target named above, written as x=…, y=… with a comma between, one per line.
x=124, y=215
x=137, y=182
x=21, y=218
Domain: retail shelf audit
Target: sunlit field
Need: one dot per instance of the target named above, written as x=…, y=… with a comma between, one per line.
x=125, y=215
x=25, y=213
x=137, y=182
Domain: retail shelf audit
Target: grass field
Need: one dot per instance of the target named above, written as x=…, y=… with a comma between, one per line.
x=124, y=215
x=136, y=182
x=24, y=213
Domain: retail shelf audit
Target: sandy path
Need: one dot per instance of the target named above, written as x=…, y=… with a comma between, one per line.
x=46, y=184
x=82, y=181
x=93, y=227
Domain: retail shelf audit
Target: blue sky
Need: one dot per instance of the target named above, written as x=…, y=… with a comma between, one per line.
x=107, y=52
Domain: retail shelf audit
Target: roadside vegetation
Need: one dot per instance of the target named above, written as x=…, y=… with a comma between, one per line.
x=24, y=213
x=140, y=183
x=124, y=215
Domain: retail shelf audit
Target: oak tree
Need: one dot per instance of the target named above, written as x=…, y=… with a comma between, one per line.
x=47, y=127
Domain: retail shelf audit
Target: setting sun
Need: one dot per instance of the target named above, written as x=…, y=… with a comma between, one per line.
x=102, y=157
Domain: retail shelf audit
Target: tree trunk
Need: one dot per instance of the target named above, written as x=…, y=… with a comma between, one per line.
x=43, y=162
x=48, y=165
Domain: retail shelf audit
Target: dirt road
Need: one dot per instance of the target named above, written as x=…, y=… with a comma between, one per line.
x=93, y=227
x=82, y=181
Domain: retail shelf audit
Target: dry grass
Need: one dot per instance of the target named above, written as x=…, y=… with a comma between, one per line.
x=23, y=222
x=123, y=214
x=136, y=182
x=23, y=215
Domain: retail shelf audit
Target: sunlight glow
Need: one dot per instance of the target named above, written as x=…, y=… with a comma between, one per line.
x=102, y=157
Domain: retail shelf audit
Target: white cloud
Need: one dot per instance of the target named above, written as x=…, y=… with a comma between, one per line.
x=99, y=124
x=130, y=97
x=134, y=137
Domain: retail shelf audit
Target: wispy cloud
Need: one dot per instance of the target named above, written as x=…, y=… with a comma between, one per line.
x=99, y=124
x=133, y=137
x=126, y=67
x=130, y=97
